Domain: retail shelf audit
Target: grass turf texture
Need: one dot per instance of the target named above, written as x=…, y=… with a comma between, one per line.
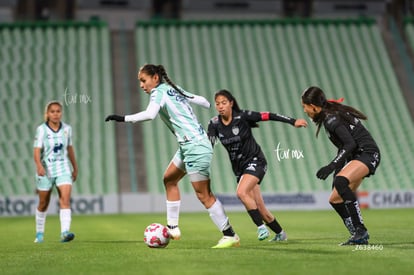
x=113, y=244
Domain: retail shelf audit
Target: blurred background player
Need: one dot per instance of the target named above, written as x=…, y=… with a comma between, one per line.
x=55, y=161
x=358, y=156
x=194, y=153
x=232, y=127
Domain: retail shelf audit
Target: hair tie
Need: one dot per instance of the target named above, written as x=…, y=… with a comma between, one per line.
x=339, y=100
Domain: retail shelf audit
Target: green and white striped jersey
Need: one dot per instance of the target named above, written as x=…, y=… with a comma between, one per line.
x=54, y=153
x=176, y=112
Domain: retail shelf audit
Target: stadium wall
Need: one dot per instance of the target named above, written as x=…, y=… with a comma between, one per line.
x=155, y=203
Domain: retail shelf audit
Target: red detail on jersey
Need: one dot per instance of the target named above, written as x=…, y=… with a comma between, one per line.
x=339, y=100
x=265, y=116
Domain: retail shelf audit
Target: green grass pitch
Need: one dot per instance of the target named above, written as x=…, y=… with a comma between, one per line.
x=113, y=244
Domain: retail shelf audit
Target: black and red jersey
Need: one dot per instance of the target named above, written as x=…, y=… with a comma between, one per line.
x=348, y=134
x=237, y=137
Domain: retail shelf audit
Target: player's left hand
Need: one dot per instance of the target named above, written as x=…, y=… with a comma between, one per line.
x=74, y=175
x=300, y=122
x=115, y=117
x=324, y=172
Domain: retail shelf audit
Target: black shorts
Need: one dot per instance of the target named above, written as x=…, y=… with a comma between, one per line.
x=255, y=167
x=371, y=159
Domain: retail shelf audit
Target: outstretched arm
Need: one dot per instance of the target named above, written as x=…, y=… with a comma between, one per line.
x=277, y=117
x=199, y=100
x=300, y=122
x=149, y=114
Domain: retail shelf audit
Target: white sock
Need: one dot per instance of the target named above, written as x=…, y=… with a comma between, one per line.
x=218, y=216
x=40, y=221
x=173, y=212
x=65, y=219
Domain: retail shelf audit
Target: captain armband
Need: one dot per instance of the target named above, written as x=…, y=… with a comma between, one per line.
x=265, y=116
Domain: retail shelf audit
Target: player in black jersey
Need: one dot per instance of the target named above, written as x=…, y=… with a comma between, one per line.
x=233, y=128
x=358, y=156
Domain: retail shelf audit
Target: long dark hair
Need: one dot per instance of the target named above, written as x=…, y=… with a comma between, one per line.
x=315, y=95
x=151, y=70
x=235, y=107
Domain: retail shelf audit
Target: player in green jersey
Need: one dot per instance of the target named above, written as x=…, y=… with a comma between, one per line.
x=56, y=165
x=194, y=154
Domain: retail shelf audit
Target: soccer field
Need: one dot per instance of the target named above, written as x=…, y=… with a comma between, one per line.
x=113, y=244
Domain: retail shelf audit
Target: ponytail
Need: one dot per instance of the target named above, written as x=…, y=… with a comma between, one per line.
x=315, y=95
x=152, y=70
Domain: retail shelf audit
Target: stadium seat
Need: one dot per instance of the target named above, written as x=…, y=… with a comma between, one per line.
x=266, y=65
x=40, y=62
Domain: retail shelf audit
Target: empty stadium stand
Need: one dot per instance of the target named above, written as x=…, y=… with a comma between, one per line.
x=69, y=62
x=267, y=64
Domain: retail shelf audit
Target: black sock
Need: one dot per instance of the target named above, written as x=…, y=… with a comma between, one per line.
x=350, y=200
x=256, y=217
x=355, y=213
x=340, y=208
x=229, y=232
x=275, y=226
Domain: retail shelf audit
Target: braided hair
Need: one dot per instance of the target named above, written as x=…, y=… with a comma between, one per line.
x=315, y=95
x=151, y=70
x=235, y=107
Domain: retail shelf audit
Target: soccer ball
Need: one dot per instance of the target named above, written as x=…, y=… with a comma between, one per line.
x=156, y=236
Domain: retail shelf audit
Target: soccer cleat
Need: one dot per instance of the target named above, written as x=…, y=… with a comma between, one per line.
x=66, y=237
x=39, y=237
x=262, y=233
x=360, y=236
x=228, y=241
x=174, y=232
x=282, y=236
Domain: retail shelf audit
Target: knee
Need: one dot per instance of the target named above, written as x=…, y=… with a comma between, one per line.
x=242, y=195
x=335, y=199
x=64, y=202
x=341, y=185
x=42, y=207
x=170, y=178
x=166, y=179
x=43, y=204
x=239, y=194
x=205, y=198
x=169, y=181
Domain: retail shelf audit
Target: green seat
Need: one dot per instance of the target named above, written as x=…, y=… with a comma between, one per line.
x=44, y=61
x=267, y=65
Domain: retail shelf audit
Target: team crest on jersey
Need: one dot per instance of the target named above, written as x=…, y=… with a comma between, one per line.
x=251, y=167
x=235, y=130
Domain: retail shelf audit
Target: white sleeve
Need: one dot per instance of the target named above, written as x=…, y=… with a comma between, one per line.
x=150, y=113
x=199, y=100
